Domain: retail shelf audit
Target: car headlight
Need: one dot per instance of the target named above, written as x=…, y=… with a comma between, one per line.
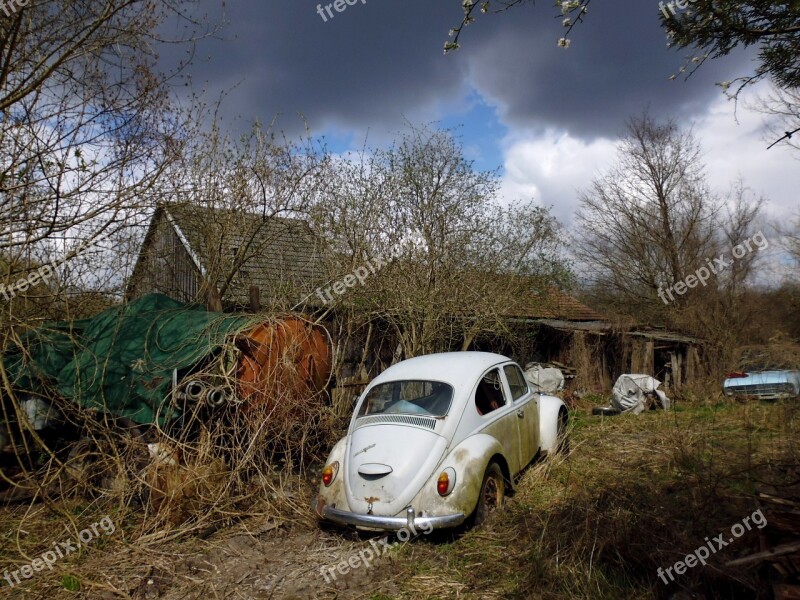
x=329, y=473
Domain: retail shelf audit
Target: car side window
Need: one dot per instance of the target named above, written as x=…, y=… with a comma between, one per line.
x=489, y=394
x=516, y=381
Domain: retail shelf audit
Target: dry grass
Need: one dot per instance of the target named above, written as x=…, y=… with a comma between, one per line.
x=636, y=494
x=214, y=468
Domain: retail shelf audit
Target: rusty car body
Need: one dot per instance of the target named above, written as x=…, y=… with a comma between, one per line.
x=434, y=439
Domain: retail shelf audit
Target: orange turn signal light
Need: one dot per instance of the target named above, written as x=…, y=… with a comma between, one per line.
x=446, y=481
x=442, y=484
x=329, y=473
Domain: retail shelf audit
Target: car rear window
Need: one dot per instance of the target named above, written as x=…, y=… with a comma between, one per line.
x=408, y=398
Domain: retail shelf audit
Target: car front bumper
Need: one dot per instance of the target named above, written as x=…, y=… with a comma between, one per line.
x=410, y=521
x=760, y=394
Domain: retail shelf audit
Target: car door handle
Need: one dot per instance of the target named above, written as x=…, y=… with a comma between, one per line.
x=520, y=413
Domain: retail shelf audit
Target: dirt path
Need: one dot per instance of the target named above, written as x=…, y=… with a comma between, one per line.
x=273, y=562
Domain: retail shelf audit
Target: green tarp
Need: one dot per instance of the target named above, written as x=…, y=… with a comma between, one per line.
x=121, y=360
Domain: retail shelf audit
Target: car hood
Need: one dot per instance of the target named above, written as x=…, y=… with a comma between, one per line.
x=387, y=464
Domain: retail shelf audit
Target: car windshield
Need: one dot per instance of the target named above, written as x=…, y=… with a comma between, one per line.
x=408, y=398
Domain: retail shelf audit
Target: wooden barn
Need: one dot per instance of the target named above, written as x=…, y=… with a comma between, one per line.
x=192, y=252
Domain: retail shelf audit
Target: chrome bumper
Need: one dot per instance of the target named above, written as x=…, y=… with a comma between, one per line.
x=409, y=522
x=762, y=396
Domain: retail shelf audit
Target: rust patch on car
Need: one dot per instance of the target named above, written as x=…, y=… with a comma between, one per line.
x=320, y=505
x=460, y=455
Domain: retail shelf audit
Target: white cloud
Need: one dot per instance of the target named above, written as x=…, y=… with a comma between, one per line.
x=553, y=166
x=733, y=150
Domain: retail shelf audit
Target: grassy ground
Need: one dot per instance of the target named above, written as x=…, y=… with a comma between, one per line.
x=636, y=494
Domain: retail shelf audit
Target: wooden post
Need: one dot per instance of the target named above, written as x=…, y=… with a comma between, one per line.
x=637, y=352
x=676, y=370
x=649, y=357
x=692, y=361
x=255, y=298
x=213, y=299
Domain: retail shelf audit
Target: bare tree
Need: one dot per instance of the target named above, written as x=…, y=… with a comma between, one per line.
x=662, y=249
x=648, y=222
x=238, y=193
x=727, y=309
x=783, y=105
x=87, y=124
x=454, y=264
x=790, y=236
x=794, y=241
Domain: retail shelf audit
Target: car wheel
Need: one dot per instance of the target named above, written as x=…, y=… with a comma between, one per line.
x=493, y=492
x=605, y=411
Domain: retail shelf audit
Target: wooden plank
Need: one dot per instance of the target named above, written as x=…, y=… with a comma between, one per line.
x=781, y=550
x=636, y=356
x=691, y=358
x=676, y=370
x=785, y=591
x=254, y=294
x=649, y=358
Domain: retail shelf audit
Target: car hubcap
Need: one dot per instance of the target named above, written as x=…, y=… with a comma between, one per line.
x=491, y=494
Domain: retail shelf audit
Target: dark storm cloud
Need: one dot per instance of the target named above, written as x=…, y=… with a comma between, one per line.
x=366, y=67
x=617, y=65
x=380, y=61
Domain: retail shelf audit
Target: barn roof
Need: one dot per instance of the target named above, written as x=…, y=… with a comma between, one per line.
x=284, y=257
x=552, y=303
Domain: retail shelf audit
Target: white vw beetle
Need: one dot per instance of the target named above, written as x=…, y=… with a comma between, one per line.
x=436, y=440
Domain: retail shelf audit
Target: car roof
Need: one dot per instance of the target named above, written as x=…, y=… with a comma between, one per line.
x=455, y=368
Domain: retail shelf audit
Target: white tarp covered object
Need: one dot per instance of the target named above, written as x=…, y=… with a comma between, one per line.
x=40, y=414
x=546, y=380
x=632, y=392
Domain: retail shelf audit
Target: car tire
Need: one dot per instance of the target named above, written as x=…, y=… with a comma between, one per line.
x=605, y=411
x=492, y=494
x=562, y=433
